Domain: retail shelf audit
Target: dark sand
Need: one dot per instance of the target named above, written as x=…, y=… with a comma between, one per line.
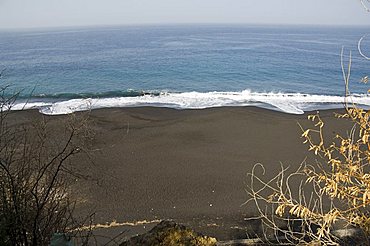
x=185, y=165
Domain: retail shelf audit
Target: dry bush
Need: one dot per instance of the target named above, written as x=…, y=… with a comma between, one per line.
x=34, y=170
x=332, y=201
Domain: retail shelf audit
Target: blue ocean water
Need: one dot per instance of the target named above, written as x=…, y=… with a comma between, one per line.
x=186, y=66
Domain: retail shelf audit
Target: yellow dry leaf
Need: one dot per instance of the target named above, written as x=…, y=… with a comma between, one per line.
x=365, y=138
x=364, y=196
x=305, y=133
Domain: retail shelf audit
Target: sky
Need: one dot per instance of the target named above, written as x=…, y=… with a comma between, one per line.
x=50, y=13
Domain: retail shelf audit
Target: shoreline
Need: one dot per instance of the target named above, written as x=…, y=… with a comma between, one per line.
x=186, y=165
x=291, y=103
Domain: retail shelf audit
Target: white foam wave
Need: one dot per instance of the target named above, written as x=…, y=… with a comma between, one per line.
x=294, y=103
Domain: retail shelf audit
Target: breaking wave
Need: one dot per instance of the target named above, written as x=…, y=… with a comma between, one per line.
x=292, y=103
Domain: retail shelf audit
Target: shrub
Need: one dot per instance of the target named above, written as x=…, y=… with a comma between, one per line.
x=34, y=170
x=339, y=184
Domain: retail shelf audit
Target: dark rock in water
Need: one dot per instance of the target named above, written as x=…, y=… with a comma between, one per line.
x=168, y=233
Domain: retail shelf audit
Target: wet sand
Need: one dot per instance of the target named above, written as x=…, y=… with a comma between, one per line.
x=186, y=165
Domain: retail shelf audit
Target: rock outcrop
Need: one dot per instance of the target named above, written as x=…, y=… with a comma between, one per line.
x=168, y=233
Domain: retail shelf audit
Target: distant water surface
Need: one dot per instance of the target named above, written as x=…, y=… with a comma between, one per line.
x=288, y=68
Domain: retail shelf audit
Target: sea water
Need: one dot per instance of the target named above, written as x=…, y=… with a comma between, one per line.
x=287, y=68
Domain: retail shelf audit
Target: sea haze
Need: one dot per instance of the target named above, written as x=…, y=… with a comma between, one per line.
x=287, y=68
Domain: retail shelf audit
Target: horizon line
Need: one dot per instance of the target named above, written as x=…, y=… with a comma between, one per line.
x=30, y=28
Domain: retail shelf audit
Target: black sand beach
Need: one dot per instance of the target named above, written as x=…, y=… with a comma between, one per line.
x=187, y=165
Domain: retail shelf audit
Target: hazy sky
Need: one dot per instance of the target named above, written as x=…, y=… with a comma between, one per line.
x=47, y=13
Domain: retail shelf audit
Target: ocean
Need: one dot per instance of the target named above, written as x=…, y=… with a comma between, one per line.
x=286, y=68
